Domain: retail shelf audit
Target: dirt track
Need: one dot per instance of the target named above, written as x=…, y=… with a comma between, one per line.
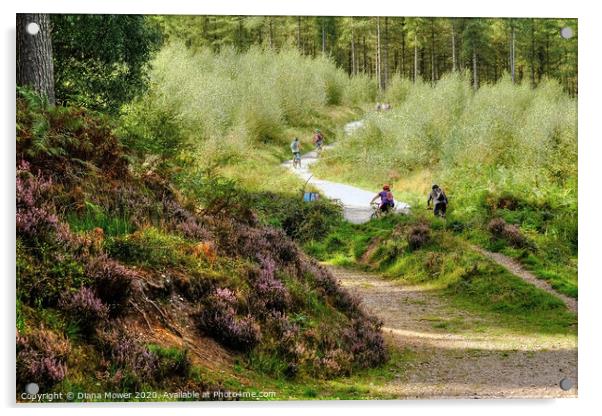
x=458, y=354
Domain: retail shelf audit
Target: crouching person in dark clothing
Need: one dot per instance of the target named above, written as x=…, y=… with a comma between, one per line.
x=439, y=200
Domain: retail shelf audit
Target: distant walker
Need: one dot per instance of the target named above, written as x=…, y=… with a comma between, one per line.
x=439, y=200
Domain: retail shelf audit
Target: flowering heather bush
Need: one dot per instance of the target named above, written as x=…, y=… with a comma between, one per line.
x=129, y=355
x=191, y=228
x=327, y=283
x=335, y=362
x=134, y=357
x=84, y=307
x=497, y=226
x=35, y=215
x=290, y=343
x=112, y=280
x=218, y=318
x=268, y=291
x=364, y=340
x=41, y=357
x=139, y=206
x=418, y=236
x=514, y=236
x=259, y=243
x=510, y=232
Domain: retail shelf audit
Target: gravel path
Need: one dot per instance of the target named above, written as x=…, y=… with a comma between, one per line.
x=459, y=354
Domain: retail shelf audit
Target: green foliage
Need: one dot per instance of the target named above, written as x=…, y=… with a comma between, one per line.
x=505, y=151
x=149, y=246
x=360, y=90
x=397, y=91
x=171, y=361
x=100, y=60
x=43, y=275
x=149, y=126
x=223, y=103
x=303, y=221
x=65, y=140
x=94, y=216
x=215, y=192
x=445, y=264
x=352, y=43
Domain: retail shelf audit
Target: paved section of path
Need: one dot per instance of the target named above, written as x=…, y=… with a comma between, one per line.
x=457, y=354
x=355, y=201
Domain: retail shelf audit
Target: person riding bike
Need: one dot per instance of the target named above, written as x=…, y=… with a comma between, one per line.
x=296, y=149
x=439, y=199
x=386, y=199
x=318, y=139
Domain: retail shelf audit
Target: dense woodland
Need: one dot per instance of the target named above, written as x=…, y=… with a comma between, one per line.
x=413, y=47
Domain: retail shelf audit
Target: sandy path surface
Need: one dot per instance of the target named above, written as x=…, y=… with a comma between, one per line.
x=458, y=354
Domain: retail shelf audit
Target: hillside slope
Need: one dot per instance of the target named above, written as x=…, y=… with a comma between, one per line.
x=124, y=285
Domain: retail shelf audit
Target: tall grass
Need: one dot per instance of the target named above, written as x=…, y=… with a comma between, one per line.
x=502, y=142
x=236, y=110
x=504, y=136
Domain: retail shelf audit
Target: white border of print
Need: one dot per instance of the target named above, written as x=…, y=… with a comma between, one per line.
x=590, y=24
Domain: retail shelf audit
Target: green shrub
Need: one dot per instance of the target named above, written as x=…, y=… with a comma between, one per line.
x=171, y=361
x=150, y=126
x=361, y=89
x=149, y=246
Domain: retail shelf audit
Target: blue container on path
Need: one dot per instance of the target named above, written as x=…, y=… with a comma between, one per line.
x=311, y=196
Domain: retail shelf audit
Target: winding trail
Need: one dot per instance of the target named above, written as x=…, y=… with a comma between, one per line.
x=457, y=354
x=355, y=201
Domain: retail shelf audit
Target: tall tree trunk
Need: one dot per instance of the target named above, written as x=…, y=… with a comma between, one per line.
x=241, y=34
x=432, y=51
x=323, y=39
x=453, y=40
x=34, y=55
x=475, y=75
x=299, y=33
x=353, y=62
x=403, y=47
x=385, y=63
x=532, y=57
x=271, y=23
x=365, y=53
x=378, y=63
x=415, y=57
x=513, y=54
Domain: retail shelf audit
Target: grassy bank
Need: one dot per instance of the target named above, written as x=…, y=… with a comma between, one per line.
x=428, y=252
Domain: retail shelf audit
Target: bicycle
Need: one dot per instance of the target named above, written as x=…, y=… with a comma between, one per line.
x=377, y=212
x=319, y=148
x=297, y=160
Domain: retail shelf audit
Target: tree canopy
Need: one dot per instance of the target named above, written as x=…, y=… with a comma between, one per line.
x=410, y=46
x=100, y=59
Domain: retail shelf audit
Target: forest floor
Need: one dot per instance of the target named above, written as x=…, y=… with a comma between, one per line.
x=460, y=354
